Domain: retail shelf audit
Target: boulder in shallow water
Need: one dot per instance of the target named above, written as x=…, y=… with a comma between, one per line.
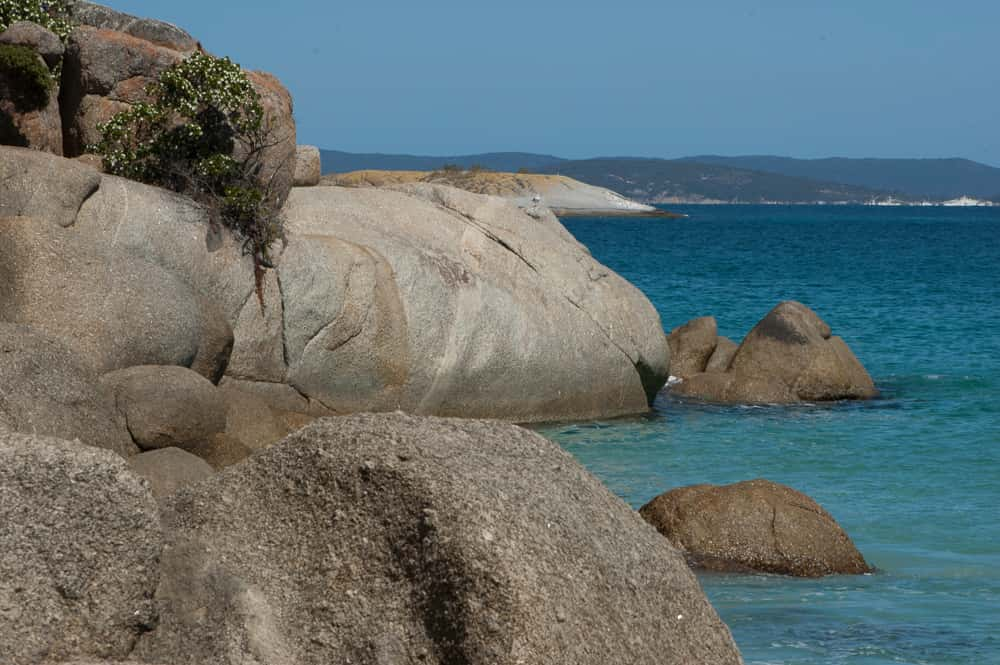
x=394, y=539
x=789, y=356
x=757, y=525
x=691, y=346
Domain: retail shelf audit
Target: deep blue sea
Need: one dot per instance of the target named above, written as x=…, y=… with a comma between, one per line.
x=913, y=477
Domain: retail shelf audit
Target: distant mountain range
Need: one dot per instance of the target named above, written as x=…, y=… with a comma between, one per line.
x=711, y=178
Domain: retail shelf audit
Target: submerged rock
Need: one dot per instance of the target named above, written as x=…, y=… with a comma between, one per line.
x=394, y=539
x=789, y=356
x=756, y=525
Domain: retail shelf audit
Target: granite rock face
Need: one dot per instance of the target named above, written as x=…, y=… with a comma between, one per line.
x=458, y=304
x=756, y=525
x=789, y=356
x=79, y=548
x=151, y=30
x=28, y=117
x=395, y=539
x=429, y=300
x=169, y=469
x=47, y=391
x=42, y=41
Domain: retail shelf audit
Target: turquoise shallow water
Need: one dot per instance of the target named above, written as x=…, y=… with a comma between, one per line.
x=913, y=477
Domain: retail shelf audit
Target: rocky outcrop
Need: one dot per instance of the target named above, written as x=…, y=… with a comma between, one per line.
x=722, y=356
x=79, y=544
x=790, y=356
x=151, y=30
x=394, y=539
x=45, y=390
x=458, y=304
x=30, y=117
x=756, y=525
x=278, y=161
x=426, y=299
x=308, y=169
x=167, y=407
x=169, y=469
x=691, y=346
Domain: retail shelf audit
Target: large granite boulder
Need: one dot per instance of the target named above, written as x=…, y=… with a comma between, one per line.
x=46, y=390
x=722, y=357
x=691, y=346
x=429, y=299
x=278, y=159
x=394, y=539
x=790, y=356
x=167, y=407
x=434, y=300
x=79, y=548
x=42, y=41
x=757, y=525
x=308, y=166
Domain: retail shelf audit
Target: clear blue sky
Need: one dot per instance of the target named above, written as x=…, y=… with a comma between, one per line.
x=805, y=78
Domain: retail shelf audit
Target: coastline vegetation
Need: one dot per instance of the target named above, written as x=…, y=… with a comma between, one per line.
x=53, y=15
x=29, y=76
x=203, y=135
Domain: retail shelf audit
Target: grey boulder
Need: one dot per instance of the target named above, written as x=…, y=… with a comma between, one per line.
x=79, y=549
x=722, y=357
x=45, y=390
x=789, y=356
x=756, y=525
x=39, y=39
x=166, y=406
x=395, y=539
x=691, y=346
x=154, y=31
x=433, y=300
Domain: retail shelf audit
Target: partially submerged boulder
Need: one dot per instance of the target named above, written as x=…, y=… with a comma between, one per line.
x=394, y=539
x=166, y=407
x=722, y=357
x=45, y=390
x=691, y=346
x=790, y=356
x=79, y=548
x=757, y=525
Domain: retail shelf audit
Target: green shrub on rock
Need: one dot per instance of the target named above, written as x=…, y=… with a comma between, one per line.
x=202, y=135
x=27, y=75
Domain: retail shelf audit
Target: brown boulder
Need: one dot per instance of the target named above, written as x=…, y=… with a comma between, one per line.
x=279, y=159
x=755, y=525
x=725, y=350
x=160, y=33
x=789, y=356
x=167, y=407
x=40, y=40
x=691, y=345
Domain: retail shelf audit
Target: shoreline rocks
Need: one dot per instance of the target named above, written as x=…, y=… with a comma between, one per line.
x=756, y=525
x=790, y=356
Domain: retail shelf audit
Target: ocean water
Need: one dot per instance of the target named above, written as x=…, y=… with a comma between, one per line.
x=913, y=477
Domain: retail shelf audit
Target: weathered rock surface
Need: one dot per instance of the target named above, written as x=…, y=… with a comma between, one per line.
x=166, y=407
x=722, y=357
x=755, y=525
x=278, y=161
x=308, y=168
x=169, y=469
x=158, y=32
x=393, y=539
x=429, y=300
x=691, y=346
x=790, y=356
x=42, y=41
x=79, y=545
x=45, y=390
x=458, y=304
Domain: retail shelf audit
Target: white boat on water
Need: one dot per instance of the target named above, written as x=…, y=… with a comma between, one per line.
x=967, y=202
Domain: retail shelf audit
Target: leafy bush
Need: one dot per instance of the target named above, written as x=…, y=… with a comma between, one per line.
x=202, y=135
x=29, y=78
